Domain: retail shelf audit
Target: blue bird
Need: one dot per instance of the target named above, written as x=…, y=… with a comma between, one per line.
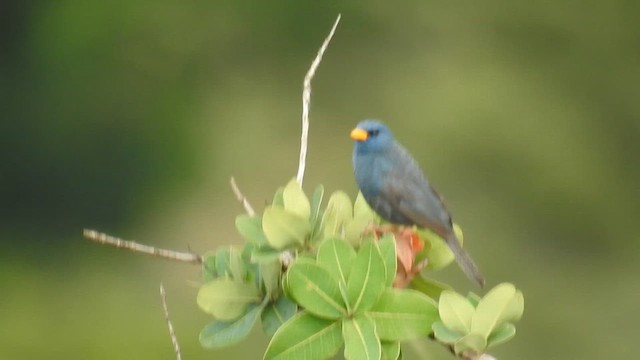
x=394, y=186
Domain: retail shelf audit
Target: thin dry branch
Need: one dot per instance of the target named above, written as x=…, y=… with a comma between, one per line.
x=306, y=101
x=103, y=238
x=241, y=198
x=172, y=333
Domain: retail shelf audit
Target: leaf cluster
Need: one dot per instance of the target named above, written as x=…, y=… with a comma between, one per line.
x=321, y=280
x=348, y=301
x=472, y=324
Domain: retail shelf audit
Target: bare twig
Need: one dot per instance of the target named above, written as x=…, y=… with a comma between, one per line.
x=241, y=198
x=102, y=238
x=306, y=100
x=172, y=333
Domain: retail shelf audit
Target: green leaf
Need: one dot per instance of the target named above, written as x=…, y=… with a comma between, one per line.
x=278, y=199
x=502, y=334
x=265, y=254
x=458, y=231
x=250, y=227
x=226, y=299
x=209, y=267
x=223, y=267
x=473, y=298
x=437, y=250
x=473, y=343
x=247, y=250
x=387, y=245
x=219, y=334
x=336, y=256
x=295, y=200
x=253, y=268
x=362, y=210
x=339, y=211
x=229, y=262
x=284, y=228
x=363, y=217
x=367, y=278
x=237, y=266
x=313, y=288
x=276, y=314
x=515, y=310
x=403, y=314
x=502, y=304
x=444, y=334
x=305, y=336
x=342, y=286
x=360, y=339
x=390, y=350
x=455, y=311
x=354, y=229
x=270, y=273
x=284, y=285
x=314, y=218
x=429, y=287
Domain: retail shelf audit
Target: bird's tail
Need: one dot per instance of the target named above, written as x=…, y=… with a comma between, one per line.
x=464, y=260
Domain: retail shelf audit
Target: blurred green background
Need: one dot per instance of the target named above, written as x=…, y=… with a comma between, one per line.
x=130, y=117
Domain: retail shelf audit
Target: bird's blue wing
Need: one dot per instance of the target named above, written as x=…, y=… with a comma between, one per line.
x=411, y=197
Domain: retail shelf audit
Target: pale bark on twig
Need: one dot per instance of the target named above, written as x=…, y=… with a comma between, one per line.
x=306, y=102
x=172, y=333
x=241, y=198
x=106, y=239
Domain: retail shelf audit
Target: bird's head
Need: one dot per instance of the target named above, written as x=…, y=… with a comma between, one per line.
x=372, y=136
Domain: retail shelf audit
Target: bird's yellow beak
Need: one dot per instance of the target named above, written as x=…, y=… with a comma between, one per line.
x=359, y=134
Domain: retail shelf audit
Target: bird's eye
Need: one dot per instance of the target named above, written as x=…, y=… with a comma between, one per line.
x=374, y=132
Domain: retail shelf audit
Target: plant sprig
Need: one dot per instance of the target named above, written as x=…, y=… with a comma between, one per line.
x=341, y=290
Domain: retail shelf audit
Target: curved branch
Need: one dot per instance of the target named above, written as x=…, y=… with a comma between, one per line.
x=306, y=101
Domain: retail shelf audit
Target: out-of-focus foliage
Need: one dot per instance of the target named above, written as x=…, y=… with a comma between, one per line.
x=131, y=116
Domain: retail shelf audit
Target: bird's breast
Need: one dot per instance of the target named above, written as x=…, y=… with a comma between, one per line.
x=370, y=173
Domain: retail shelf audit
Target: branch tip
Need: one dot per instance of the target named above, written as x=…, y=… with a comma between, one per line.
x=241, y=198
x=172, y=333
x=105, y=239
x=306, y=101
